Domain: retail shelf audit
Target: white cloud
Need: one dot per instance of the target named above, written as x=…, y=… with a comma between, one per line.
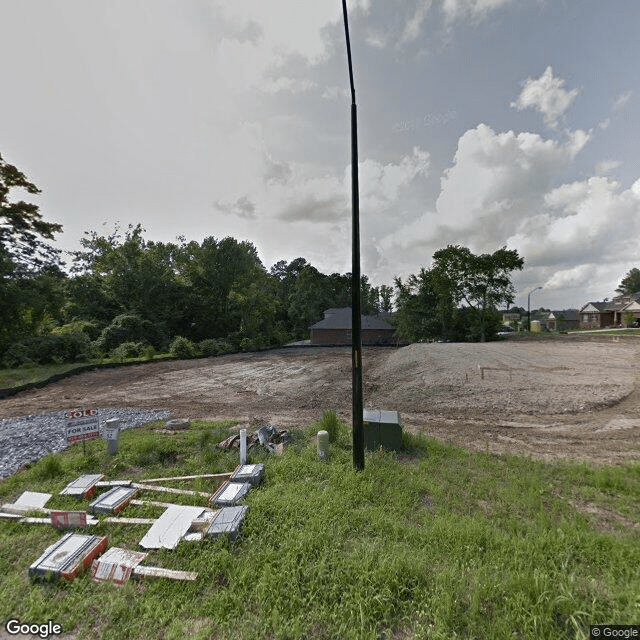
x=582, y=222
x=607, y=165
x=326, y=198
x=382, y=182
x=547, y=95
x=475, y=9
x=622, y=100
x=315, y=207
x=291, y=85
x=571, y=277
x=242, y=207
x=503, y=190
x=497, y=178
x=376, y=39
x=414, y=25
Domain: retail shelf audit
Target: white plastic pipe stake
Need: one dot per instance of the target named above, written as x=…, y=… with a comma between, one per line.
x=243, y=446
x=323, y=445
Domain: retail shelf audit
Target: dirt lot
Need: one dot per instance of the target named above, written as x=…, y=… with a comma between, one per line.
x=567, y=398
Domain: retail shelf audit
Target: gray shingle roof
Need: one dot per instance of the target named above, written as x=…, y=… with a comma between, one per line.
x=600, y=306
x=569, y=314
x=341, y=319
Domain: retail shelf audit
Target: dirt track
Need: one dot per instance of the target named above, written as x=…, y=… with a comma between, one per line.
x=568, y=398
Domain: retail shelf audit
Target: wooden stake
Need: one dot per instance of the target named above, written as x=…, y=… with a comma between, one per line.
x=206, y=475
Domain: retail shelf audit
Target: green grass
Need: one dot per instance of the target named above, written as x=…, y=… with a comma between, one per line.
x=18, y=376
x=434, y=542
x=611, y=332
x=36, y=373
x=621, y=332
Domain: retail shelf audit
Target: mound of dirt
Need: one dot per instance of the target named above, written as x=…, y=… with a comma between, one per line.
x=507, y=377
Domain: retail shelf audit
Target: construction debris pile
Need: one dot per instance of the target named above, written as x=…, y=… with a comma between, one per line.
x=74, y=552
x=271, y=438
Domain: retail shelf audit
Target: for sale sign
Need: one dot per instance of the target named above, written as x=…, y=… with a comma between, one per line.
x=83, y=424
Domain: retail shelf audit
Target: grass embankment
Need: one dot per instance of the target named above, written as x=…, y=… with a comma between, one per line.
x=18, y=376
x=35, y=374
x=435, y=542
x=609, y=332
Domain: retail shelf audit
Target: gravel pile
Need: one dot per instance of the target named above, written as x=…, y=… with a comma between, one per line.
x=30, y=438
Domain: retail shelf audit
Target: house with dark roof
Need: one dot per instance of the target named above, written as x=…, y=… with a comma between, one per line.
x=561, y=320
x=622, y=311
x=335, y=329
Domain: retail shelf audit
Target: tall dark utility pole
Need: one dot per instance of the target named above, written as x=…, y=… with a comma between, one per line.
x=356, y=341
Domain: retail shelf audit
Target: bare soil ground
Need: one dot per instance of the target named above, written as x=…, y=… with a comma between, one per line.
x=575, y=398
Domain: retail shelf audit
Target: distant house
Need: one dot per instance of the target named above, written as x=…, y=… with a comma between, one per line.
x=620, y=312
x=335, y=329
x=542, y=318
x=511, y=319
x=563, y=320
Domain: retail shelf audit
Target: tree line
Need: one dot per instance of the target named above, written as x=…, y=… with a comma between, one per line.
x=124, y=295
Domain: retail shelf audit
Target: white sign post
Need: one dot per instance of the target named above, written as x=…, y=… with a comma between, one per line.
x=111, y=432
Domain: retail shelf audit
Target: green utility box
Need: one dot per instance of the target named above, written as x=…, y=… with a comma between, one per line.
x=382, y=429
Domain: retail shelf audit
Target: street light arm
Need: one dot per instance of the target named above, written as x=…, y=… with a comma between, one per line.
x=529, y=306
x=346, y=34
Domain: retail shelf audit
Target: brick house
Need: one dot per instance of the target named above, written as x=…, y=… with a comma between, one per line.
x=561, y=320
x=335, y=329
x=611, y=313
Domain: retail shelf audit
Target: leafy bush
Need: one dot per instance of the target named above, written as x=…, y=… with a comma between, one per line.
x=214, y=347
x=129, y=328
x=252, y=344
x=90, y=329
x=129, y=350
x=53, y=348
x=149, y=352
x=182, y=347
x=18, y=354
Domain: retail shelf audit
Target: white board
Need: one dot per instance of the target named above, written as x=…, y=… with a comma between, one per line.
x=169, y=528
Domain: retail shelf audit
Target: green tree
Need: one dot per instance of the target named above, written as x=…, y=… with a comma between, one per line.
x=310, y=296
x=132, y=276
x=483, y=281
x=22, y=228
x=630, y=283
x=29, y=273
x=417, y=307
x=216, y=272
x=369, y=297
x=386, y=298
x=286, y=276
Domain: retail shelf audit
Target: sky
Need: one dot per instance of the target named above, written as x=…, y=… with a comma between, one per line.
x=482, y=123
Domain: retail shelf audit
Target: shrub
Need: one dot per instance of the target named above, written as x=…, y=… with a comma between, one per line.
x=182, y=347
x=149, y=352
x=252, y=344
x=208, y=348
x=332, y=424
x=129, y=328
x=129, y=350
x=53, y=348
x=214, y=347
x=86, y=327
x=16, y=355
